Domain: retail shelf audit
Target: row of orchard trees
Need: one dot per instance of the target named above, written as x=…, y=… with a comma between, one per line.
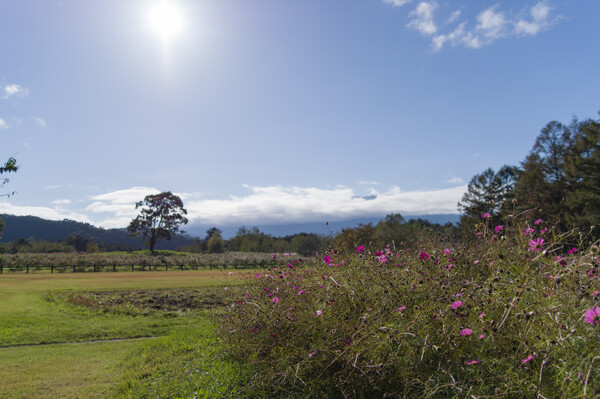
x=254, y=240
x=559, y=180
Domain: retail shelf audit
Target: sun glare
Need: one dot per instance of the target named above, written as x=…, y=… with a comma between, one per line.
x=165, y=19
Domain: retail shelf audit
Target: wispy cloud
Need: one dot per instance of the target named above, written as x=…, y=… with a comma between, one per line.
x=11, y=90
x=422, y=18
x=3, y=124
x=540, y=20
x=397, y=3
x=455, y=180
x=58, y=213
x=40, y=122
x=490, y=25
x=117, y=208
x=61, y=202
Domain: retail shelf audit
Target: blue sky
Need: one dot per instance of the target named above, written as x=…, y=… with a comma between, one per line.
x=279, y=111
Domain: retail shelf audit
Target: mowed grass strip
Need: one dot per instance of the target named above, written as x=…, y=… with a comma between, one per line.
x=92, y=369
x=27, y=316
x=82, y=370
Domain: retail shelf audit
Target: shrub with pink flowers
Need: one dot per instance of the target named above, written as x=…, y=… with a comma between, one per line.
x=505, y=314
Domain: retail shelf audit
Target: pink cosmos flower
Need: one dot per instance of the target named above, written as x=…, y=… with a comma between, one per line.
x=527, y=359
x=466, y=331
x=592, y=316
x=528, y=231
x=327, y=259
x=538, y=221
x=572, y=251
x=424, y=256
x=486, y=215
x=319, y=313
x=481, y=336
x=401, y=308
x=360, y=249
x=499, y=228
x=275, y=299
x=536, y=245
x=446, y=251
x=471, y=362
x=456, y=305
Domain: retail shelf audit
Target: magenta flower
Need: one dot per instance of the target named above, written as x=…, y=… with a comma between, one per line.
x=456, y=305
x=275, y=300
x=466, y=331
x=360, y=249
x=312, y=354
x=528, y=231
x=572, y=251
x=424, y=256
x=536, y=245
x=499, y=228
x=486, y=215
x=446, y=251
x=592, y=316
x=401, y=308
x=327, y=259
x=481, y=336
x=319, y=313
x=538, y=221
x=471, y=362
x=527, y=359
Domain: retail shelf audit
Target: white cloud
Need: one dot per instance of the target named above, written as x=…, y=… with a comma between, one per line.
x=423, y=18
x=119, y=205
x=397, y=3
x=61, y=202
x=454, y=16
x=13, y=90
x=278, y=204
x=42, y=212
x=456, y=180
x=490, y=25
x=261, y=205
x=540, y=20
x=40, y=122
x=3, y=124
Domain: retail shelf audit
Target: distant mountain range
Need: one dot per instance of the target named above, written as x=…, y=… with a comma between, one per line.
x=51, y=230
x=17, y=227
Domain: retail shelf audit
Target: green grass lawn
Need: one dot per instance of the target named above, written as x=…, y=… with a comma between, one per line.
x=85, y=370
x=31, y=313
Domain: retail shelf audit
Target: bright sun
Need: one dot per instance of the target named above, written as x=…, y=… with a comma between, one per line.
x=165, y=19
